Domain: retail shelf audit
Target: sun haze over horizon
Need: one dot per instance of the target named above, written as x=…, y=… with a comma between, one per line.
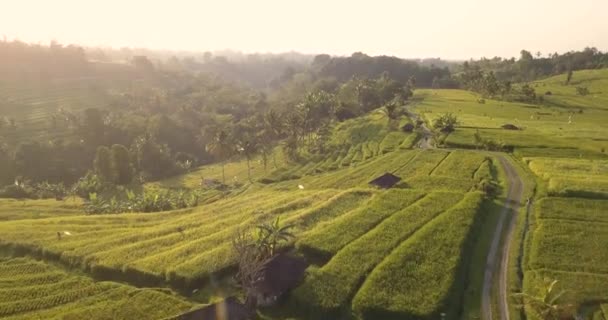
x=412, y=29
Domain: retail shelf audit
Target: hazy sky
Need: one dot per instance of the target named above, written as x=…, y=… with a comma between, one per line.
x=423, y=28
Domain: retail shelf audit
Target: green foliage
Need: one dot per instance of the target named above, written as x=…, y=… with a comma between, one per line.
x=546, y=305
x=489, y=144
x=122, y=172
x=582, y=91
x=144, y=202
x=103, y=164
x=446, y=122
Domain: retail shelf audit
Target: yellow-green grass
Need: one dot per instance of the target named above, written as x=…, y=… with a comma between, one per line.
x=573, y=209
x=235, y=172
x=572, y=177
x=425, y=275
x=565, y=95
x=30, y=289
x=331, y=287
x=328, y=238
x=578, y=168
x=547, y=129
x=11, y=209
x=181, y=246
x=578, y=287
x=570, y=245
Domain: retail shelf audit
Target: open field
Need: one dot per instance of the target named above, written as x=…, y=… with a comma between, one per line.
x=11, y=209
x=30, y=289
x=566, y=125
x=572, y=177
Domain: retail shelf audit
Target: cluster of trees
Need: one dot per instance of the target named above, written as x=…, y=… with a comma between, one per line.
x=27, y=62
x=362, y=65
x=488, y=85
x=303, y=128
x=176, y=115
x=534, y=66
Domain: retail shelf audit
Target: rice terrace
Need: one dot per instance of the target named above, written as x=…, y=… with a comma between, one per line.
x=215, y=184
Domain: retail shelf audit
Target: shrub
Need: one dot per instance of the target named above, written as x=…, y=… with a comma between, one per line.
x=16, y=192
x=582, y=91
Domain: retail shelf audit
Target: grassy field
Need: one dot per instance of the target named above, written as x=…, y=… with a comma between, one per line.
x=565, y=125
x=31, y=289
x=337, y=216
x=11, y=209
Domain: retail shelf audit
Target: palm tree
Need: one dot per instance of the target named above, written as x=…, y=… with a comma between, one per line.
x=271, y=234
x=221, y=147
x=249, y=147
x=273, y=129
x=545, y=304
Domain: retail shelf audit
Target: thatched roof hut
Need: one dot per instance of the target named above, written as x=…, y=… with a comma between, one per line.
x=385, y=181
x=509, y=126
x=281, y=274
x=228, y=309
x=408, y=127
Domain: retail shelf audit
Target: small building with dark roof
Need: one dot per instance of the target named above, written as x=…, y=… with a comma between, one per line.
x=227, y=309
x=281, y=274
x=509, y=126
x=408, y=127
x=385, y=181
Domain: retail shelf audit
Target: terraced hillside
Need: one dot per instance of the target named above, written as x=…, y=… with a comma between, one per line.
x=185, y=248
x=415, y=251
x=569, y=231
x=33, y=109
x=565, y=125
x=561, y=143
x=31, y=289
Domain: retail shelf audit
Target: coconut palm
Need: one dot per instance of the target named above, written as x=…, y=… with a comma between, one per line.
x=271, y=234
x=248, y=146
x=222, y=148
x=273, y=123
x=273, y=129
x=545, y=304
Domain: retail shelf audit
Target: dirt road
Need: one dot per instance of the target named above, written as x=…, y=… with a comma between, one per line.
x=508, y=216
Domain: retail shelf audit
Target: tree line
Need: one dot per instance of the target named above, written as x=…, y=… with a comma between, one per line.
x=172, y=119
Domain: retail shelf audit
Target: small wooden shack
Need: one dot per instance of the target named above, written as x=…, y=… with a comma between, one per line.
x=385, y=181
x=509, y=126
x=408, y=127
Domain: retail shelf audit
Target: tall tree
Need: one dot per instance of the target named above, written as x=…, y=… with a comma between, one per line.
x=7, y=168
x=103, y=164
x=222, y=148
x=249, y=147
x=273, y=130
x=121, y=165
x=569, y=76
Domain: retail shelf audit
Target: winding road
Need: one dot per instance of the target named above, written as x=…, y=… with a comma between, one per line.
x=497, y=262
x=508, y=215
